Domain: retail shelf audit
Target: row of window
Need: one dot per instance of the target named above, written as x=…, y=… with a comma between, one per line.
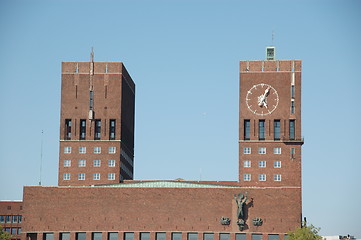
x=10, y=218
x=82, y=163
x=82, y=129
x=262, y=129
x=13, y=231
x=262, y=164
x=262, y=177
x=81, y=176
x=160, y=236
x=96, y=150
x=263, y=150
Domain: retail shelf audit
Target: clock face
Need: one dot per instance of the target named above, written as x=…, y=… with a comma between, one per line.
x=262, y=99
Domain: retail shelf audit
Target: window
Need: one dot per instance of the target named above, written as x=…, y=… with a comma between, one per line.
x=261, y=150
x=97, y=150
x=160, y=236
x=224, y=236
x=111, y=129
x=208, y=236
x=8, y=219
x=67, y=149
x=111, y=176
x=15, y=219
x=144, y=236
x=112, y=236
x=64, y=236
x=192, y=236
x=48, y=236
x=240, y=236
x=246, y=177
x=19, y=231
x=292, y=91
x=246, y=150
x=96, y=236
x=91, y=100
x=247, y=129
x=277, y=164
x=112, y=150
x=96, y=163
x=277, y=129
x=81, y=176
x=82, y=132
x=20, y=217
x=111, y=163
x=66, y=176
x=81, y=163
x=176, y=236
x=82, y=150
x=67, y=129
x=96, y=176
x=277, y=177
x=14, y=231
x=261, y=129
x=2, y=219
x=293, y=152
x=277, y=150
x=256, y=236
x=273, y=237
x=67, y=163
x=7, y=230
x=247, y=164
x=262, y=177
x=80, y=236
x=97, y=129
x=292, y=129
x=128, y=236
x=292, y=107
x=262, y=164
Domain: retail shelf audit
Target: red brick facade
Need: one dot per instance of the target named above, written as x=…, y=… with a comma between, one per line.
x=11, y=214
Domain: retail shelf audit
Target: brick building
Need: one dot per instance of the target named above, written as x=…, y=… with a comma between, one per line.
x=97, y=139
x=11, y=213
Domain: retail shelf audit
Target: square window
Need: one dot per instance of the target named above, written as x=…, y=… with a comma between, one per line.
x=66, y=176
x=262, y=164
x=192, y=236
x=224, y=236
x=176, y=236
x=277, y=177
x=247, y=164
x=246, y=177
x=14, y=231
x=112, y=236
x=208, y=236
x=96, y=236
x=97, y=150
x=111, y=163
x=261, y=150
x=111, y=176
x=112, y=150
x=160, y=236
x=81, y=176
x=96, y=176
x=246, y=150
x=96, y=163
x=67, y=149
x=67, y=163
x=262, y=177
x=277, y=150
x=82, y=150
x=277, y=164
x=144, y=236
x=128, y=236
x=81, y=163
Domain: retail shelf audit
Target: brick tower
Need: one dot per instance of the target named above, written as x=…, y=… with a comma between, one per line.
x=96, y=123
x=270, y=123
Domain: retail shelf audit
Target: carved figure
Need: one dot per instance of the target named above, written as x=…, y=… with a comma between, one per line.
x=225, y=221
x=257, y=222
x=240, y=200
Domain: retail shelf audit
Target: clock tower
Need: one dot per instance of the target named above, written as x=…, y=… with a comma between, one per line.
x=270, y=136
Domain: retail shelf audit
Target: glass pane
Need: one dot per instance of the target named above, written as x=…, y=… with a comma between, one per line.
x=192, y=236
x=80, y=236
x=208, y=236
x=273, y=237
x=256, y=236
x=224, y=236
x=144, y=236
x=176, y=236
x=96, y=236
x=64, y=236
x=240, y=236
x=128, y=236
x=113, y=236
x=160, y=236
x=48, y=236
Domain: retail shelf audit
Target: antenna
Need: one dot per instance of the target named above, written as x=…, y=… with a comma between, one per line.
x=41, y=155
x=273, y=37
x=92, y=55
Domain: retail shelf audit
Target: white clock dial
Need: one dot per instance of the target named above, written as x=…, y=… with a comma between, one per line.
x=262, y=99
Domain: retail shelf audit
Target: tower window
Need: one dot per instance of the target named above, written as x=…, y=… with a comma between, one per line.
x=97, y=129
x=81, y=176
x=247, y=164
x=82, y=150
x=277, y=164
x=261, y=129
x=262, y=150
x=262, y=177
x=277, y=150
x=66, y=176
x=91, y=100
x=97, y=150
x=82, y=129
x=67, y=163
x=96, y=176
x=81, y=163
x=247, y=129
x=262, y=164
x=67, y=129
x=111, y=176
x=292, y=107
x=246, y=150
x=96, y=163
x=277, y=177
x=67, y=149
x=292, y=91
x=246, y=177
x=277, y=129
x=112, y=129
x=292, y=129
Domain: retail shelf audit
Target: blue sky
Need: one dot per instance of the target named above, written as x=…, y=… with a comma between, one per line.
x=184, y=57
